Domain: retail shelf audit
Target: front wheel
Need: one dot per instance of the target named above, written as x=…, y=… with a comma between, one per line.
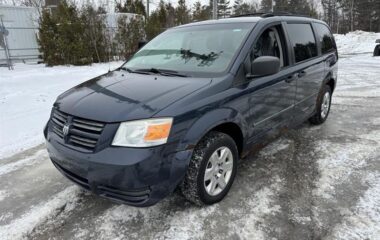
x=212, y=169
x=322, y=107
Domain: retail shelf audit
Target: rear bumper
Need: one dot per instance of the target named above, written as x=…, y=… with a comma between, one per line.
x=134, y=176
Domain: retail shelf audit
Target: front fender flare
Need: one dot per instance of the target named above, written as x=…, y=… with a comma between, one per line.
x=209, y=121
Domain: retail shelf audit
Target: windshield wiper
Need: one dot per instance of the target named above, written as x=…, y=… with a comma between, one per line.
x=163, y=72
x=133, y=71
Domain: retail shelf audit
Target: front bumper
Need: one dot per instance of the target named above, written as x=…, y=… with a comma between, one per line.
x=134, y=176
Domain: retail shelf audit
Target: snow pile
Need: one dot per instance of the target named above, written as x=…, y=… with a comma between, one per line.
x=356, y=42
x=27, y=95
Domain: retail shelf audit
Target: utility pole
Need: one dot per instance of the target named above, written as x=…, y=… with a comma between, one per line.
x=214, y=9
x=147, y=10
x=272, y=5
x=352, y=15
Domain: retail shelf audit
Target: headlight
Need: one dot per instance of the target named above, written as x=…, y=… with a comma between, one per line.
x=143, y=133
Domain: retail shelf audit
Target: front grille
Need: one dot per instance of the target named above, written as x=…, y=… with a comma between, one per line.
x=82, y=133
x=59, y=119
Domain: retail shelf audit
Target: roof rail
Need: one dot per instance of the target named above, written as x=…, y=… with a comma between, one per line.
x=269, y=14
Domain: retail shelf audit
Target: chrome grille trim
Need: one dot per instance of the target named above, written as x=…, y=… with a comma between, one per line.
x=83, y=133
x=87, y=127
x=92, y=123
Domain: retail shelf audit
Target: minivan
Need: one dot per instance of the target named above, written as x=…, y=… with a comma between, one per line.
x=192, y=102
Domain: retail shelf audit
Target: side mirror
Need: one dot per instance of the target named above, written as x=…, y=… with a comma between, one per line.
x=141, y=44
x=264, y=66
x=378, y=41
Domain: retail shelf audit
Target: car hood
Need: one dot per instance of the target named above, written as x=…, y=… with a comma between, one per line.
x=120, y=96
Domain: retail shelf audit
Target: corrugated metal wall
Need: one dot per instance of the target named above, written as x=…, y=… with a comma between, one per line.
x=22, y=24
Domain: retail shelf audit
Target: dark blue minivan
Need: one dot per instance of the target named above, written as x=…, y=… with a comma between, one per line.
x=189, y=104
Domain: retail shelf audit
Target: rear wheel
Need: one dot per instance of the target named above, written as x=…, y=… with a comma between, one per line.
x=212, y=169
x=322, y=107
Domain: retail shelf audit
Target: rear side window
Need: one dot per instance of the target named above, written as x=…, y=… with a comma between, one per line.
x=325, y=38
x=303, y=41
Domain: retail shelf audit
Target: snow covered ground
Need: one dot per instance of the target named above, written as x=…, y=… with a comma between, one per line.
x=314, y=182
x=27, y=95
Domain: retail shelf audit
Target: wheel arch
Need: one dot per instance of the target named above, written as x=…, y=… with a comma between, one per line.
x=330, y=81
x=225, y=120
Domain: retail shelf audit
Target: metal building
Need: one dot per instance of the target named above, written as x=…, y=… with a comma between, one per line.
x=18, y=34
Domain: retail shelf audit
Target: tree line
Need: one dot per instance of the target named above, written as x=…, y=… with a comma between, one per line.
x=70, y=34
x=349, y=15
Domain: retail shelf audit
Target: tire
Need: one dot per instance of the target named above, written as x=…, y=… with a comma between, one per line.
x=376, y=52
x=195, y=187
x=323, y=106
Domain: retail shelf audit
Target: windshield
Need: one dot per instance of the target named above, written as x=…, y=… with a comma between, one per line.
x=196, y=49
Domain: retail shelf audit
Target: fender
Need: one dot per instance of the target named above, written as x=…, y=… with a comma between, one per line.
x=196, y=132
x=209, y=121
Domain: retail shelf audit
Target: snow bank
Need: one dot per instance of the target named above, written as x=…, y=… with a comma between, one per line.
x=356, y=42
x=27, y=95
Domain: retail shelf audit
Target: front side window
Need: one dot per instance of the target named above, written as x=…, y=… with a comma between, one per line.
x=195, y=49
x=325, y=38
x=303, y=41
x=270, y=43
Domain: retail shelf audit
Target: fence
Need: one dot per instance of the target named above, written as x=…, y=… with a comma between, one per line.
x=18, y=35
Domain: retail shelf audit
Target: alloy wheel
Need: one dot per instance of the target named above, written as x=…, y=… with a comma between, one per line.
x=218, y=171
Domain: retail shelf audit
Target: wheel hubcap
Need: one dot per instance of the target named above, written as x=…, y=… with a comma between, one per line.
x=218, y=171
x=325, y=105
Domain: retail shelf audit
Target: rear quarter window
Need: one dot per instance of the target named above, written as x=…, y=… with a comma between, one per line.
x=303, y=41
x=325, y=38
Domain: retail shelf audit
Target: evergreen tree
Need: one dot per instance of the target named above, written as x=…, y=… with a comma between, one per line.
x=266, y=5
x=182, y=13
x=241, y=8
x=48, y=36
x=62, y=37
x=201, y=12
x=282, y=6
x=170, y=17
x=71, y=44
x=131, y=6
x=224, y=9
x=129, y=33
x=94, y=33
x=301, y=7
x=157, y=21
x=236, y=6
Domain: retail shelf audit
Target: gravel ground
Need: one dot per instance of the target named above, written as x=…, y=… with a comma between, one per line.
x=314, y=182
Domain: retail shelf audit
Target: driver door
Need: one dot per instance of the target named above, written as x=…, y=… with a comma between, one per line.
x=272, y=97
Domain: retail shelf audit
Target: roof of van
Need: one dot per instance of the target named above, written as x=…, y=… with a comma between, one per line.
x=253, y=19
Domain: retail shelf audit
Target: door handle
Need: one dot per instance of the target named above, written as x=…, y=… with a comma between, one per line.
x=289, y=79
x=301, y=74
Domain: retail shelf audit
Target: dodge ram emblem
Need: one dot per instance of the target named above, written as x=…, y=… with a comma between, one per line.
x=65, y=129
